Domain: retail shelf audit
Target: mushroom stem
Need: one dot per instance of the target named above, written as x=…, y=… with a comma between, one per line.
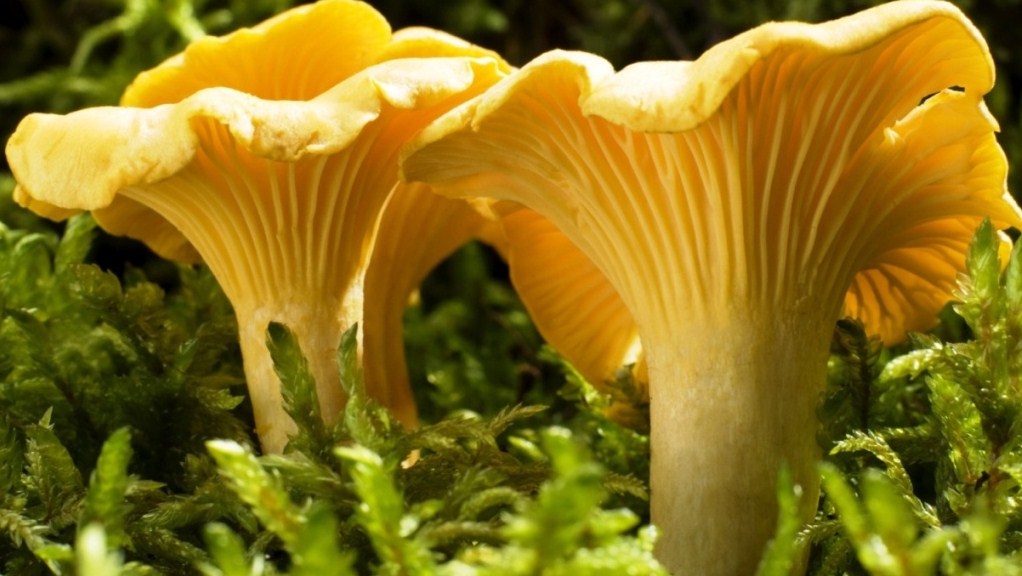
x=734, y=401
x=318, y=330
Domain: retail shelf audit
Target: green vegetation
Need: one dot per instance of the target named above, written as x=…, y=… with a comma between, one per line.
x=121, y=421
x=929, y=440
x=125, y=437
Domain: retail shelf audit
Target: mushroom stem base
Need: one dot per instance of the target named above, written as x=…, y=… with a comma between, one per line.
x=730, y=404
x=318, y=333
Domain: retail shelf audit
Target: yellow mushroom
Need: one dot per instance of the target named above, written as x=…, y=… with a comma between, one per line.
x=268, y=154
x=574, y=307
x=737, y=203
x=417, y=231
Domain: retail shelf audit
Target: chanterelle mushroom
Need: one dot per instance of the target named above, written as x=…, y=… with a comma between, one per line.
x=417, y=231
x=268, y=154
x=732, y=201
x=574, y=307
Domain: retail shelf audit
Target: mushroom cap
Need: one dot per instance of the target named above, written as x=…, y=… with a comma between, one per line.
x=573, y=305
x=86, y=160
x=295, y=55
x=418, y=40
x=843, y=164
x=280, y=92
x=677, y=96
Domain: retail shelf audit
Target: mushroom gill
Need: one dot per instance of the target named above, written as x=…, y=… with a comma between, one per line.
x=574, y=307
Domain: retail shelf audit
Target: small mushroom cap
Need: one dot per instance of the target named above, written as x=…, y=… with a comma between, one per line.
x=574, y=307
x=791, y=163
x=294, y=55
